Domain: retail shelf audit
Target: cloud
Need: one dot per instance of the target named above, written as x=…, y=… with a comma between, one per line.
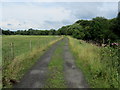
x=119, y=6
x=25, y=15
x=9, y=24
x=29, y=15
x=88, y=10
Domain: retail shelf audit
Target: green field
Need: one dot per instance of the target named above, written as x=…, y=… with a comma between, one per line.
x=21, y=52
x=100, y=65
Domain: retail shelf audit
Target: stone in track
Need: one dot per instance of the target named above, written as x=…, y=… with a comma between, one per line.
x=73, y=75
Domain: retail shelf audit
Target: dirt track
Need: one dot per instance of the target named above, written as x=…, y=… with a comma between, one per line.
x=37, y=75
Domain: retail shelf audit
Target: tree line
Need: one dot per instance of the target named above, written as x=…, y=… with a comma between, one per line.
x=29, y=32
x=99, y=29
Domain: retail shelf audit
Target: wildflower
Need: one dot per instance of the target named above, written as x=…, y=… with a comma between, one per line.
x=115, y=44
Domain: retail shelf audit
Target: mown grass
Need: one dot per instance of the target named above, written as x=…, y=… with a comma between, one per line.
x=100, y=65
x=56, y=75
x=25, y=55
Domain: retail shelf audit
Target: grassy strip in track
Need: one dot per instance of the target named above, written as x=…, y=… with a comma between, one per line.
x=56, y=65
x=100, y=65
x=20, y=64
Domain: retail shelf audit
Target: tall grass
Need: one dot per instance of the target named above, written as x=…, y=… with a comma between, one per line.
x=100, y=65
x=26, y=51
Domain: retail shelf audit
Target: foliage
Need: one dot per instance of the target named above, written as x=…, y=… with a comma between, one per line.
x=78, y=31
x=100, y=65
x=99, y=29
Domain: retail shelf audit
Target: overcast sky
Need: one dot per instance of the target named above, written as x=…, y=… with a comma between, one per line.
x=48, y=15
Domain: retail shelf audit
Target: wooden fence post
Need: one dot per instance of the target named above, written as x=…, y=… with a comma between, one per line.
x=39, y=44
x=12, y=50
x=30, y=45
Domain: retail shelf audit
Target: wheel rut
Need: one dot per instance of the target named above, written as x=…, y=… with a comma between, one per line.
x=74, y=77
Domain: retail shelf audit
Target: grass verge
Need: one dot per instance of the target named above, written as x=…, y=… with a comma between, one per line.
x=20, y=64
x=56, y=65
x=100, y=65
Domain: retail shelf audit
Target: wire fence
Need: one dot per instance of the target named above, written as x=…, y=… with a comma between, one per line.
x=14, y=47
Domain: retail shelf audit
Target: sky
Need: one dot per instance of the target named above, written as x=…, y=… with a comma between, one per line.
x=51, y=15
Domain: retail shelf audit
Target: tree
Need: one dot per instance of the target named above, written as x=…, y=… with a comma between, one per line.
x=118, y=25
x=7, y=32
x=77, y=31
x=100, y=29
x=52, y=32
x=62, y=31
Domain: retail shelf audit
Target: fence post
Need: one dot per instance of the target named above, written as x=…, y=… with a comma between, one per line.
x=12, y=50
x=30, y=45
x=39, y=43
